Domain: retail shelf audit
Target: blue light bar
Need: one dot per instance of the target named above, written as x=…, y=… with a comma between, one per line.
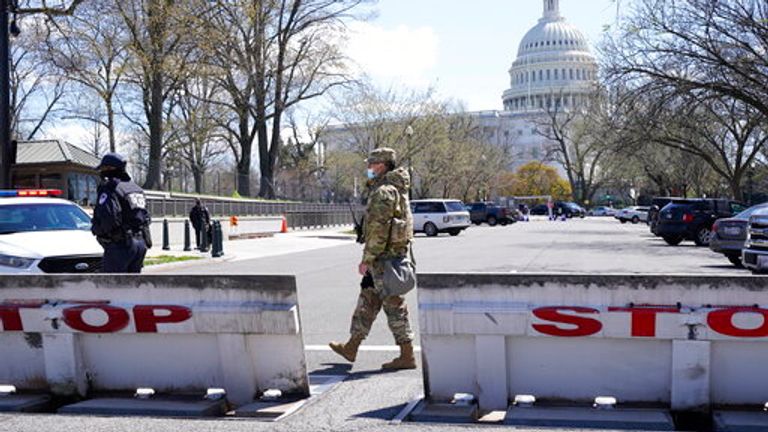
x=8, y=193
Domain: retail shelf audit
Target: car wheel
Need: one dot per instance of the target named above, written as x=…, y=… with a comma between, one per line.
x=504, y=223
x=703, y=236
x=623, y=221
x=430, y=229
x=672, y=241
x=492, y=221
x=735, y=260
x=455, y=232
x=635, y=220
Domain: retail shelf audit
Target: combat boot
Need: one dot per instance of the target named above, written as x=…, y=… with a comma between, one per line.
x=347, y=350
x=405, y=361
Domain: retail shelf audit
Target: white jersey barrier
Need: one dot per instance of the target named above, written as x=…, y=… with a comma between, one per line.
x=76, y=335
x=690, y=342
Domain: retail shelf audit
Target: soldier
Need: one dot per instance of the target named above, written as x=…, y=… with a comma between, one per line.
x=120, y=218
x=388, y=233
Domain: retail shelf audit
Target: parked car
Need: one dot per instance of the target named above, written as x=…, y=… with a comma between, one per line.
x=602, y=211
x=730, y=234
x=657, y=203
x=692, y=219
x=755, y=253
x=539, y=210
x=434, y=216
x=45, y=234
x=634, y=214
x=490, y=213
x=569, y=209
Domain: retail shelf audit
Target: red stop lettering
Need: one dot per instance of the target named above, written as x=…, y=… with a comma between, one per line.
x=721, y=321
x=147, y=320
x=584, y=326
x=10, y=318
x=644, y=319
x=117, y=318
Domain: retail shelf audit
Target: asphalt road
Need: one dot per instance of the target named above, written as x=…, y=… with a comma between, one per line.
x=328, y=286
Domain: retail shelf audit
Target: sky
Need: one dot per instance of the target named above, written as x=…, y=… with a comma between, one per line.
x=462, y=48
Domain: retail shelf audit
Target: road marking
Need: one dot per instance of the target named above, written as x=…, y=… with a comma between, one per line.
x=376, y=348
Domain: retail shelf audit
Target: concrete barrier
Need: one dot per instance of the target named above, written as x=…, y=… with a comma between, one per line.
x=245, y=226
x=683, y=341
x=79, y=335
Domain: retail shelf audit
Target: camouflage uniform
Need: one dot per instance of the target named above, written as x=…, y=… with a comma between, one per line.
x=388, y=234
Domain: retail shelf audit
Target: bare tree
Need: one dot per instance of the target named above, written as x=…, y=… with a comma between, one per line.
x=703, y=48
x=578, y=142
x=196, y=119
x=89, y=49
x=160, y=35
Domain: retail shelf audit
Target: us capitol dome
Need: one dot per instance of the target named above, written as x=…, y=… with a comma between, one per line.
x=554, y=65
x=554, y=70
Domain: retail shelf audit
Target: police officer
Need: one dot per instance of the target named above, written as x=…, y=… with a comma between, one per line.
x=120, y=218
x=201, y=220
x=388, y=233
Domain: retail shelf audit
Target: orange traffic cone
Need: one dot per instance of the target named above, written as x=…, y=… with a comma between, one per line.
x=284, y=226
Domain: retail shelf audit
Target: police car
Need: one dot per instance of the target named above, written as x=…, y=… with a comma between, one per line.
x=43, y=234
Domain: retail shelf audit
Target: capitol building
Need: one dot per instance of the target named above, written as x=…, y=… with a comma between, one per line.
x=554, y=68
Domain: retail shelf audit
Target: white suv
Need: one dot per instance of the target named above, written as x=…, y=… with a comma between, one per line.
x=434, y=216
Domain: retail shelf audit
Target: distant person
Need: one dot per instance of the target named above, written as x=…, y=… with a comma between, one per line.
x=120, y=218
x=201, y=220
x=388, y=233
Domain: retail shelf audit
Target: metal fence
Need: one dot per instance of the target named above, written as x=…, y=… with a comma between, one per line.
x=298, y=215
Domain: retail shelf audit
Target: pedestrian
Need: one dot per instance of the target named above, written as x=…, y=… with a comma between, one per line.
x=201, y=220
x=387, y=234
x=120, y=218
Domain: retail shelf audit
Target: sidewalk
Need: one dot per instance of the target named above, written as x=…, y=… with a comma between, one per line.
x=272, y=245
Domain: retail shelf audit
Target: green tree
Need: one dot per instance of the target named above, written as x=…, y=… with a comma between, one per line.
x=533, y=179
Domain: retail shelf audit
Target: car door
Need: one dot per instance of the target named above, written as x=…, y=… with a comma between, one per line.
x=419, y=211
x=477, y=212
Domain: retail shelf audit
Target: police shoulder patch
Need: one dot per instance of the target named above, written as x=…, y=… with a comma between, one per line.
x=103, y=198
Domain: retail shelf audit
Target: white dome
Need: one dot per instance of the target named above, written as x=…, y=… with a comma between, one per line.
x=550, y=35
x=554, y=65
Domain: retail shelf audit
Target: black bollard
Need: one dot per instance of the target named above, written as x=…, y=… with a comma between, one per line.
x=204, y=238
x=217, y=247
x=166, y=239
x=187, y=240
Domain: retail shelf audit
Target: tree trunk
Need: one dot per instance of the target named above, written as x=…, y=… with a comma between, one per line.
x=155, y=131
x=111, y=124
x=244, y=164
x=197, y=176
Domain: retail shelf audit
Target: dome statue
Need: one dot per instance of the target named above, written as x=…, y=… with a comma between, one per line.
x=554, y=66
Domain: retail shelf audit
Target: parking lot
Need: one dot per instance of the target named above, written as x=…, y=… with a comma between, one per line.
x=327, y=281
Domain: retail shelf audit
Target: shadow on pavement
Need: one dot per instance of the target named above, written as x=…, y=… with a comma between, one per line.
x=382, y=413
x=333, y=369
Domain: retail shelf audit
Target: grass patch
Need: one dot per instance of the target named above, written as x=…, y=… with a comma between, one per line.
x=165, y=259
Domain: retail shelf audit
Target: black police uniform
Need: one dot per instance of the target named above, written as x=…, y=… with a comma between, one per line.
x=121, y=224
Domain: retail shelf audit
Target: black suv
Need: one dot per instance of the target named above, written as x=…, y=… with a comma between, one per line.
x=490, y=213
x=692, y=219
x=657, y=203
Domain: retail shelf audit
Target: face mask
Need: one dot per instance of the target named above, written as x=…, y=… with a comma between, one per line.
x=371, y=174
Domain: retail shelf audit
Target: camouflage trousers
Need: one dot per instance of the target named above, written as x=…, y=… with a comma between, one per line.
x=370, y=303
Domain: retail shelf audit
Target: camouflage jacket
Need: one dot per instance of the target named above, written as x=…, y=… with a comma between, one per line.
x=388, y=221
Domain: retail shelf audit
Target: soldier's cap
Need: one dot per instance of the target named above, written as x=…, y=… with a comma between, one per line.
x=111, y=161
x=382, y=155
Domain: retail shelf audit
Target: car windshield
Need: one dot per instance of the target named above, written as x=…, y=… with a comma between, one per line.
x=42, y=217
x=455, y=206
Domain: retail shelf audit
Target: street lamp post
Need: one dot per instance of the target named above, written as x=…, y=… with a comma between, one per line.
x=408, y=136
x=5, y=106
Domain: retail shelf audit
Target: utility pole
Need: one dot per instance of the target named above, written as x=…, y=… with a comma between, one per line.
x=6, y=156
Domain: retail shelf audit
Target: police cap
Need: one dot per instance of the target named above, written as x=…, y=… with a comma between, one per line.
x=111, y=160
